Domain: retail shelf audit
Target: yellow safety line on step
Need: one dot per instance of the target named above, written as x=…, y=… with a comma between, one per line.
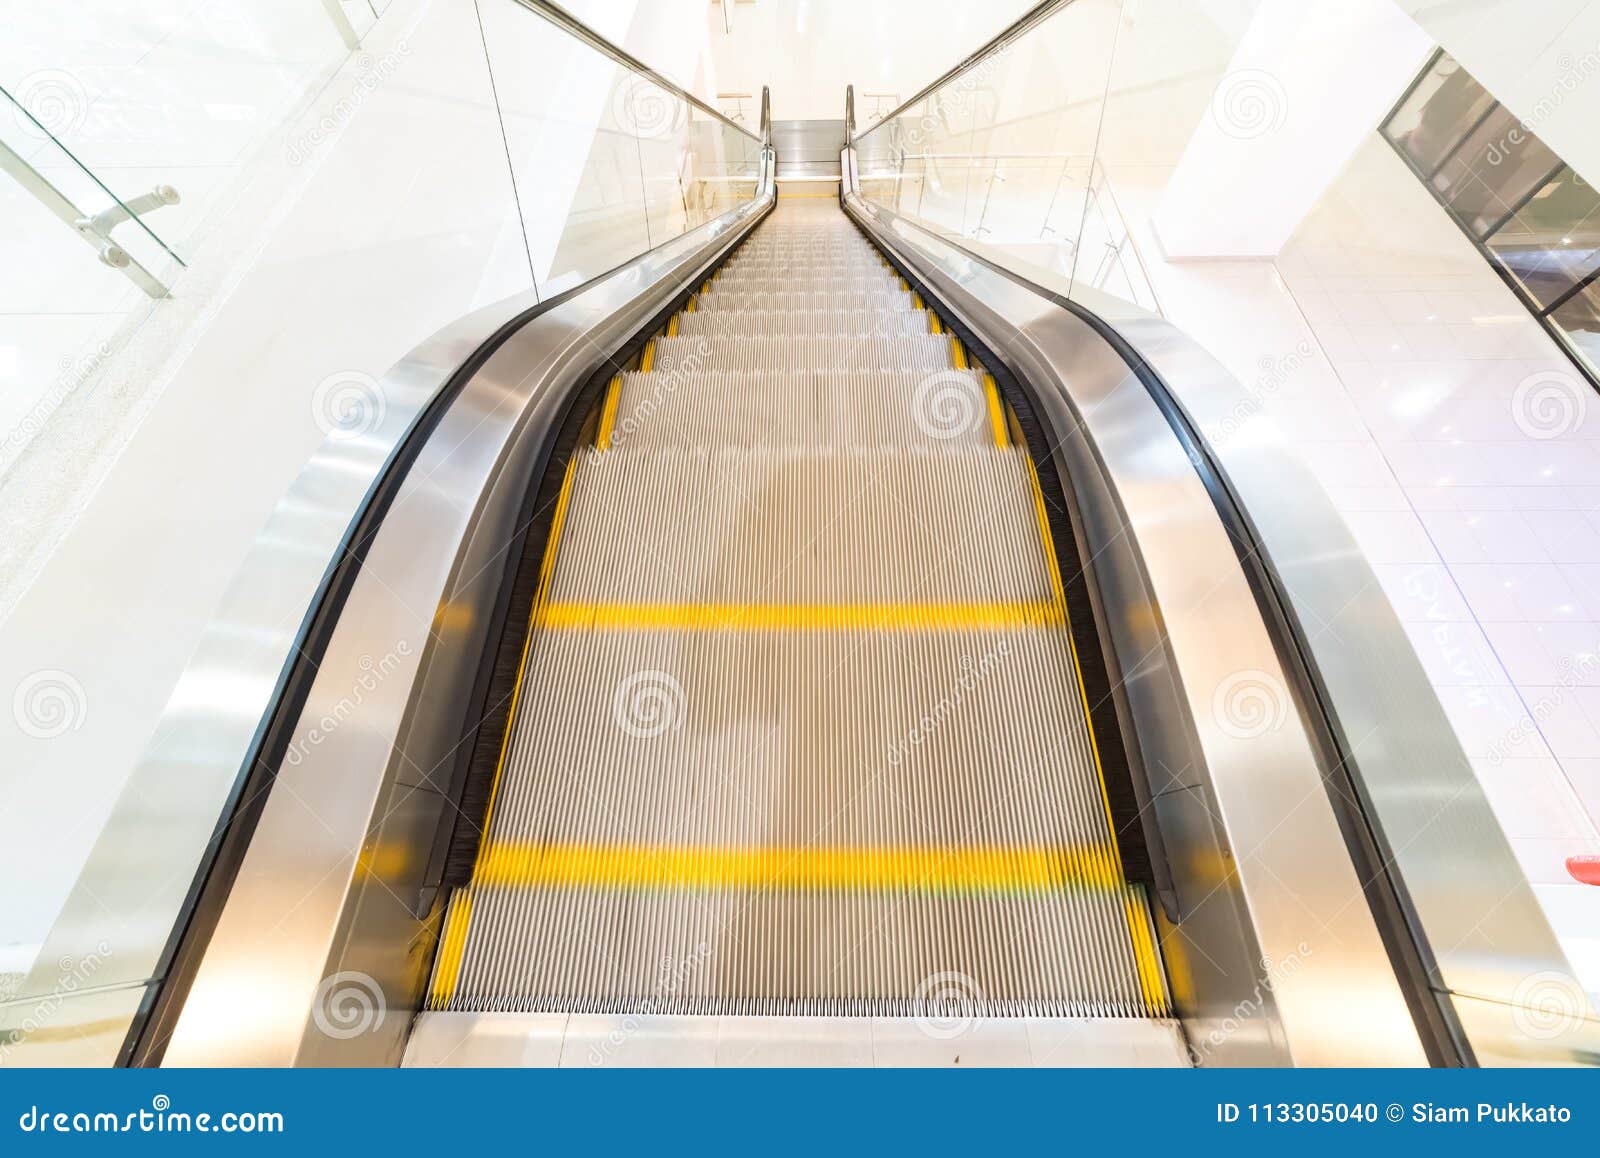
x=672, y=326
x=958, y=353
x=933, y=323
x=541, y=595
x=452, y=947
x=608, y=414
x=647, y=360
x=934, y=869
x=1145, y=955
x=689, y=307
x=1138, y=931
x=799, y=616
x=997, y=413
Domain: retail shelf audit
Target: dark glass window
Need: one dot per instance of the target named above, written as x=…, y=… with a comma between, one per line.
x=1438, y=114
x=1497, y=167
x=1531, y=215
x=1579, y=319
x=1553, y=241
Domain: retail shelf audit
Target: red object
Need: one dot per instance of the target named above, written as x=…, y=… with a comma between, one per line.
x=1584, y=869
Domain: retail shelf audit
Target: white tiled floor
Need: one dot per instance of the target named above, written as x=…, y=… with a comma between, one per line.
x=1486, y=537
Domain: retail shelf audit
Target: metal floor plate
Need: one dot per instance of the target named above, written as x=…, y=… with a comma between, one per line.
x=550, y=1040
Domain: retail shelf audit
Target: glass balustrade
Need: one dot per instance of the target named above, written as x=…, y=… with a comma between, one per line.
x=146, y=152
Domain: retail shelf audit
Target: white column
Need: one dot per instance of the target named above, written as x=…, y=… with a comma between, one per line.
x=1310, y=80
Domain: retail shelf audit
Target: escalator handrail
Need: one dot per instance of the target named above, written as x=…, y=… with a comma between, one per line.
x=1019, y=27
x=569, y=23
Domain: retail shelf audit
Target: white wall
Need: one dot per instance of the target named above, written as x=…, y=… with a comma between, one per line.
x=808, y=50
x=1540, y=59
x=1308, y=83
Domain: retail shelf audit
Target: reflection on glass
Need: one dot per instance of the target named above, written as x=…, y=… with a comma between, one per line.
x=1531, y=214
x=1578, y=318
x=607, y=162
x=1553, y=242
x=1018, y=174
x=1438, y=114
x=1496, y=168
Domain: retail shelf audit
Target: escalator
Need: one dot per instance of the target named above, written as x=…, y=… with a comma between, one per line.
x=820, y=638
x=799, y=728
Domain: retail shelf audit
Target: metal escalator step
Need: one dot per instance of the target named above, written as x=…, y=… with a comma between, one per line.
x=824, y=300
x=864, y=281
x=814, y=822
x=800, y=729
x=806, y=527
x=810, y=323
x=801, y=408
x=928, y=352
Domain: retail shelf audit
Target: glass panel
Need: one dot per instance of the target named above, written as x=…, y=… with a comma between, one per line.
x=173, y=96
x=606, y=162
x=1578, y=319
x=1498, y=167
x=1017, y=171
x=1552, y=242
x=1438, y=114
